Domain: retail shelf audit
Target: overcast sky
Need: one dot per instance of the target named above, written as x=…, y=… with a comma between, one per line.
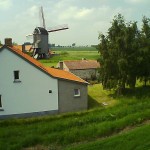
x=85, y=18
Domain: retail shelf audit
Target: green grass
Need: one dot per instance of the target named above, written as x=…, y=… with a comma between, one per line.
x=97, y=96
x=73, y=49
x=61, y=131
x=137, y=139
x=70, y=55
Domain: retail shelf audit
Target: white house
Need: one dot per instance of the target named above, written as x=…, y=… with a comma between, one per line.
x=27, y=88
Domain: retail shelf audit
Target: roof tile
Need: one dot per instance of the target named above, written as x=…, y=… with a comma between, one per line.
x=82, y=64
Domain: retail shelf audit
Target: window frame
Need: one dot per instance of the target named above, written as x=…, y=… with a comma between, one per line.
x=77, y=92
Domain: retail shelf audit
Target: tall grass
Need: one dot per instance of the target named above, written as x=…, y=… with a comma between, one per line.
x=137, y=139
x=66, y=129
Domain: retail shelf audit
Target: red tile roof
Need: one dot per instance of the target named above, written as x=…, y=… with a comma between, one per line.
x=56, y=73
x=82, y=64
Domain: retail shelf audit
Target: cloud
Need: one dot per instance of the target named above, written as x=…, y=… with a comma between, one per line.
x=75, y=13
x=84, y=12
x=136, y=1
x=5, y=4
x=30, y=15
x=32, y=11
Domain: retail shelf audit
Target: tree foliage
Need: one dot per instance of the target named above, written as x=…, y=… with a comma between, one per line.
x=124, y=54
x=144, y=51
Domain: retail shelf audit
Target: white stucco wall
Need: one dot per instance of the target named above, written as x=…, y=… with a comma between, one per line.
x=29, y=95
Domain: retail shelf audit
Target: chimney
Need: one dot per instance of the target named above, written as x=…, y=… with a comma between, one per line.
x=61, y=65
x=23, y=48
x=8, y=42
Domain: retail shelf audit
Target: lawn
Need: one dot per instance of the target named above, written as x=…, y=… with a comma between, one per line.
x=65, y=130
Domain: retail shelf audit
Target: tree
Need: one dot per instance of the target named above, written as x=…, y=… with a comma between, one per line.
x=144, y=51
x=74, y=44
x=118, y=54
x=14, y=43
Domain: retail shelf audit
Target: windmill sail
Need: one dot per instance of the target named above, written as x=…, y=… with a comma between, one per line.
x=58, y=28
x=42, y=19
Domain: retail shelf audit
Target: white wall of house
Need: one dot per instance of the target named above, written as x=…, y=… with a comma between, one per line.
x=29, y=95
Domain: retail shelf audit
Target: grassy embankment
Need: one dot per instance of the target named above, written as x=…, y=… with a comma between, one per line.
x=136, y=139
x=62, y=131
x=71, y=54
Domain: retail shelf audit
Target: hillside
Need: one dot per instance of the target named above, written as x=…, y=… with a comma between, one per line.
x=65, y=130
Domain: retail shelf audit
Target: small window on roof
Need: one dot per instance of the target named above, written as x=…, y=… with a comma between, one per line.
x=76, y=92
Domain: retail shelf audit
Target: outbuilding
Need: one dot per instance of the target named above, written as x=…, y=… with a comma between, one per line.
x=85, y=69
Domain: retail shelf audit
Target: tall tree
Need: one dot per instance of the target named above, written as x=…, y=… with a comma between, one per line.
x=118, y=54
x=144, y=52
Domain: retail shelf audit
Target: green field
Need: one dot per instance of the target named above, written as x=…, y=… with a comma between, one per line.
x=74, y=129
x=71, y=54
x=83, y=48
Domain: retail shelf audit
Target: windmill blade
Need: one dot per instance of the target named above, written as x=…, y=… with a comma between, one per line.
x=42, y=19
x=58, y=28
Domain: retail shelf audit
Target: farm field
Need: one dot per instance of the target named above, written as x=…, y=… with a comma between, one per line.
x=70, y=130
x=71, y=54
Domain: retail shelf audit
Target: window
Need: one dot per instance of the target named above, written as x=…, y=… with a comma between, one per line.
x=0, y=101
x=50, y=91
x=16, y=76
x=76, y=92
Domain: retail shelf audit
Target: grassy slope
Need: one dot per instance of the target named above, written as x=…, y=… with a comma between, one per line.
x=136, y=139
x=62, y=130
x=97, y=96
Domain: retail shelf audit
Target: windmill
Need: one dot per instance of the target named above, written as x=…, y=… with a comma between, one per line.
x=40, y=38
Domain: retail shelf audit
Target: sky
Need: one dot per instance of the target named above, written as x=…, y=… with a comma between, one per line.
x=85, y=18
